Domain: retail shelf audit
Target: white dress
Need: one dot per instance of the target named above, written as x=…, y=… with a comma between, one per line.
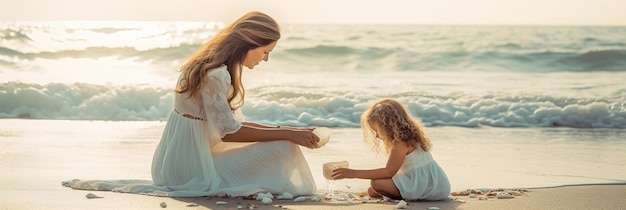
x=421, y=178
x=191, y=159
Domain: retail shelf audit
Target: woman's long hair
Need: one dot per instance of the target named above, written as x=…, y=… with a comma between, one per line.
x=229, y=47
x=394, y=123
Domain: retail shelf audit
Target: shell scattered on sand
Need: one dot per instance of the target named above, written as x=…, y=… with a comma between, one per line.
x=261, y=196
x=386, y=199
x=433, y=208
x=300, y=199
x=401, y=205
x=485, y=194
x=163, y=204
x=341, y=199
x=504, y=195
x=266, y=201
x=459, y=200
x=192, y=204
x=221, y=203
x=91, y=196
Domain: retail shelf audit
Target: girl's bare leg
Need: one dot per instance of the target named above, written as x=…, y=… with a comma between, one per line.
x=384, y=187
x=373, y=193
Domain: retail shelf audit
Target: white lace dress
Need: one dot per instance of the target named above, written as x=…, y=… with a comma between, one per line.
x=191, y=159
x=421, y=178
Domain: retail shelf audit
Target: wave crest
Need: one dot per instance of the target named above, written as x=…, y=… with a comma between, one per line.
x=97, y=102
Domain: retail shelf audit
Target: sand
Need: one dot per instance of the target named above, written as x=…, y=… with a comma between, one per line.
x=569, y=197
x=36, y=156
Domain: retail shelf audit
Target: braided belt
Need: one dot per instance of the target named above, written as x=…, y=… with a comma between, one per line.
x=190, y=116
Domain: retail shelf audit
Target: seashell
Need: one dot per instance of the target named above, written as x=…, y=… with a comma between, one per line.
x=266, y=201
x=91, y=195
x=163, y=204
x=401, y=205
x=324, y=134
x=240, y=207
x=261, y=196
x=504, y=195
x=482, y=198
x=341, y=199
x=221, y=203
x=433, y=208
x=461, y=193
x=386, y=199
x=300, y=199
x=192, y=204
x=285, y=196
x=459, y=200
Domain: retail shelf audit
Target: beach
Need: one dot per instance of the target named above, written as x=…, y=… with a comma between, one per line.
x=572, y=197
x=37, y=155
x=537, y=108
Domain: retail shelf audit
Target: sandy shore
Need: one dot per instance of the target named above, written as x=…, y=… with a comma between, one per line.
x=36, y=156
x=569, y=197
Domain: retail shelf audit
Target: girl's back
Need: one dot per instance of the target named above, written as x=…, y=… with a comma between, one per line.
x=421, y=178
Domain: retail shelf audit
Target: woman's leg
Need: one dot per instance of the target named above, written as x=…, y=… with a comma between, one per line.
x=384, y=187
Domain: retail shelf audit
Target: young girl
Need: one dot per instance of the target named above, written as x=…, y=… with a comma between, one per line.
x=411, y=172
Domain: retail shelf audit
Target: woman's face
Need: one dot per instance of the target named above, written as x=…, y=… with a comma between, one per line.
x=258, y=54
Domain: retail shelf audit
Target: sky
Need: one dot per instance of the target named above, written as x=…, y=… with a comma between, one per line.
x=457, y=12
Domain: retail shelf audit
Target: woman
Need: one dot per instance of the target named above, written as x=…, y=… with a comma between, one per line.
x=207, y=149
x=200, y=135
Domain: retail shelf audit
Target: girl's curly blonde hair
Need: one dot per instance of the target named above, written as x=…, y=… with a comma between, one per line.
x=394, y=123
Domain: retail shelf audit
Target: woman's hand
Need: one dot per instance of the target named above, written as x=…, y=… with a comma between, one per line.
x=342, y=173
x=305, y=138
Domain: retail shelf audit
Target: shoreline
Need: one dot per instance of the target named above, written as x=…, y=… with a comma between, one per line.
x=585, y=196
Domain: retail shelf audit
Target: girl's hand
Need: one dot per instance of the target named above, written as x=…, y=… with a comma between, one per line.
x=305, y=138
x=342, y=173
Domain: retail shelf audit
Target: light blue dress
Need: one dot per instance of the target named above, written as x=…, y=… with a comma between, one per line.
x=191, y=160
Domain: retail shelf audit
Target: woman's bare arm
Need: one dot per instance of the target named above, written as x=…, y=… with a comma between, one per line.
x=253, y=124
x=257, y=125
x=251, y=133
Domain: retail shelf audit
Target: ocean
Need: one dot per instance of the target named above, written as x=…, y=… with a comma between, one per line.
x=506, y=106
